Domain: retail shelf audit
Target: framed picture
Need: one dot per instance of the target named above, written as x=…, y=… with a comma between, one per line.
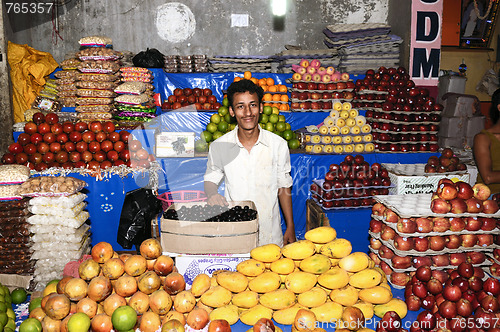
x=477, y=23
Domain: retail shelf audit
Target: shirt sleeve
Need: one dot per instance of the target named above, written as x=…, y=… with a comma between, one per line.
x=284, y=167
x=214, y=172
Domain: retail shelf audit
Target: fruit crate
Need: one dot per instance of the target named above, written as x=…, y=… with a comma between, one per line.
x=315, y=217
x=181, y=196
x=412, y=179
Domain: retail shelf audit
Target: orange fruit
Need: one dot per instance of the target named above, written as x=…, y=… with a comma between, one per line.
x=247, y=75
x=262, y=82
x=273, y=88
x=284, y=97
x=254, y=80
x=267, y=104
x=237, y=78
x=282, y=88
x=276, y=97
x=265, y=88
x=284, y=107
x=267, y=97
x=270, y=81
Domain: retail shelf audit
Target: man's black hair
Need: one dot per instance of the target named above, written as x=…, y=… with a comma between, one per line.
x=494, y=112
x=244, y=86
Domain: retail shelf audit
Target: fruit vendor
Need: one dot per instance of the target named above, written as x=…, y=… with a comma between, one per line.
x=255, y=165
x=487, y=148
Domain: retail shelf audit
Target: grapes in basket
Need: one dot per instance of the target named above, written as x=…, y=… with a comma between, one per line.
x=212, y=213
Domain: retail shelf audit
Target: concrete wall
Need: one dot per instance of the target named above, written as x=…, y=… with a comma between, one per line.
x=191, y=26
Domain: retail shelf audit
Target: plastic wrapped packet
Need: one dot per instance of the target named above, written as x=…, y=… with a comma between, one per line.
x=56, y=244
x=98, y=53
x=45, y=104
x=134, y=88
x=66, y=202
x=67, y=93
x=11, y=205
x=10, y=192
x=94, y=108
x=97, y=77
x=57, y=211
x=43, y=220
x=74, y=236
x=68, y=101
x=13, y=174
x=95, y=93
x=132, y=99
x=19, y=234
x=93, y=101
x=95, y=41
x=51, y=186
x=59, y=230
x=70, y=64
x=13, y=213
x=68, y=85
x=135, y=70
x=14, y=220
x=96, y=85
x=136, y=79
x=98, y=66
x=95, y=116
x=66, y=74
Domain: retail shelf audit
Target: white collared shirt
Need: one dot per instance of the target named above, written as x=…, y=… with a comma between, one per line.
x=256, y=176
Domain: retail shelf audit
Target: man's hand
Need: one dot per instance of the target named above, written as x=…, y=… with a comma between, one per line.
x=217, y=199
x=289, y=236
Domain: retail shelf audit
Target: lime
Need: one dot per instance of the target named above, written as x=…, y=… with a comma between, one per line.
x=229, y=119
x=11, y=314
x=30, y=325
x=206, y=136
x=288, y=134
x=280, y=126
x=268, y=110
x=264, y=118
x=3, y=319
x=281, y=118
x=3, y=307
x=222, y=127
x=19, y=295
x=232, y=126
x=11, y=324
x=273, y=118
x=80, y=322
x=124, y=318
x=276, y=110
x=223, y=110
x=212, y=127
x=216, y=135
x=270, y=126
x=288, y=126
x=293, y=143
x=8, y=298
x=225, y=102
x=279, y=133
x=8, y=329
x=200, y=146
x=215, y=118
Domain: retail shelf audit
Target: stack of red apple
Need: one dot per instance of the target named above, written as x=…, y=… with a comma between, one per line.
x=202, y=99
x=459, y=299
x=47, y=143
x=495, y=260
x=318, y=95
x=352, y=183
x=447, y=162
x=459, y=197
x=405, y=119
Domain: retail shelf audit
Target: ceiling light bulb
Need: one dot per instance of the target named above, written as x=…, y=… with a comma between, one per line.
x=279, y=7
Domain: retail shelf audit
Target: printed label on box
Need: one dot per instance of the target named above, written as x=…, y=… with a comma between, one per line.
x=175, y=144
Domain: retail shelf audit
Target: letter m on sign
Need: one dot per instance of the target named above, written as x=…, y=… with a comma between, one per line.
x=425, y=66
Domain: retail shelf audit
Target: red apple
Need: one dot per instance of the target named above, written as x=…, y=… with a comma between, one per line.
x=453, y=241
x=457, y=224
x=56, y=128
x=437, y=243
x=484, y=240
x=95, y=126
x=452, y=293
x=447, y=191
x=440, y=224
x=464, y=190
x=100, y=136
x=475, y=257
x=469, y=240
x=108, y=127
x=43, y=128
x=81, y=126
x=424, y=225
x=441, y=260
x=421, y=261
x=48, y=138
x=421, y=244
x=473, y=224
x=458, y=206
x=474, y=205
x=94, y=146
x=488, y=224
x=481, y=191
x=68, y=127
x=490, y=206
x=30, y=128
x=401, y=262
x=81, y=146
x=75, y=136
x=88, y=136
x=406, y=225
x=457, y=258
x=403, y=243
x=440, y=206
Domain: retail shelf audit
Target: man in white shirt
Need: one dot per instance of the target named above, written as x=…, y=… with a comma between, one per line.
x=255, y=165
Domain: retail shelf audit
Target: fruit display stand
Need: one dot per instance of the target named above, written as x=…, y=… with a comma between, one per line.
x=406, y=234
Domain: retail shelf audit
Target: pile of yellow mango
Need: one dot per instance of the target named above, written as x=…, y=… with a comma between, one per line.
x=320, y=274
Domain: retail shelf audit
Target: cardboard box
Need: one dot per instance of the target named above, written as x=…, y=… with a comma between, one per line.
x=453, y=127
x=448, y=83
x=456, y=142
x=192, y=265
x=202, y=237
x=474, y=125
x=315, y=216
x=460, y=105
x=417, y=181
x=174, y=144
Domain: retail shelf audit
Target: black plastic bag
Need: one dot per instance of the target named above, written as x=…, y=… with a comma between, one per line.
x=151, y=58
x=139, y=208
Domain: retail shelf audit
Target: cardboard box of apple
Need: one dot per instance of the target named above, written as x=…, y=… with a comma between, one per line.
x=344, y=130
x=352, y=183
x=404, y=118
x=445, y=163
x=202, y=99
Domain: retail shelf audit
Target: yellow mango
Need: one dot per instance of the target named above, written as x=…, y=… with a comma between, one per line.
x=300, y=282
x=334, y=278
x=337, y=248
x=286, y=316
x=267, y=253
x=316, y=264
x=386, y=285
x=375, y=295
x=365, y=329
x=354, y=262
x=278, y=299
x=251, y=267
x=366, y=308
x=216, y=297
x=204, y=306
x=213, y=281
x=365, y=279
x=334, y=261
x=252, y=315
x=314, y=297
x=266, y=282
x=371, y=263
x=382, y=273
x=283, y=266
x=329, y=312
x=245, y=299
x=318, y=246
x=299, y=250
x=228, y=312
x=396, y=305
x=234, y=282
x=346, y=296
x=323, y=234
x=201, y=284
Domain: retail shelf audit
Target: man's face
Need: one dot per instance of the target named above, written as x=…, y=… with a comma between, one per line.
x=246, y=109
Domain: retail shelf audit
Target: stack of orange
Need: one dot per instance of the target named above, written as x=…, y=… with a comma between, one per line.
x=274, y=94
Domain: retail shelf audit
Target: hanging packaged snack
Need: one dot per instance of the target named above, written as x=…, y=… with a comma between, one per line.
x=95, y=41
